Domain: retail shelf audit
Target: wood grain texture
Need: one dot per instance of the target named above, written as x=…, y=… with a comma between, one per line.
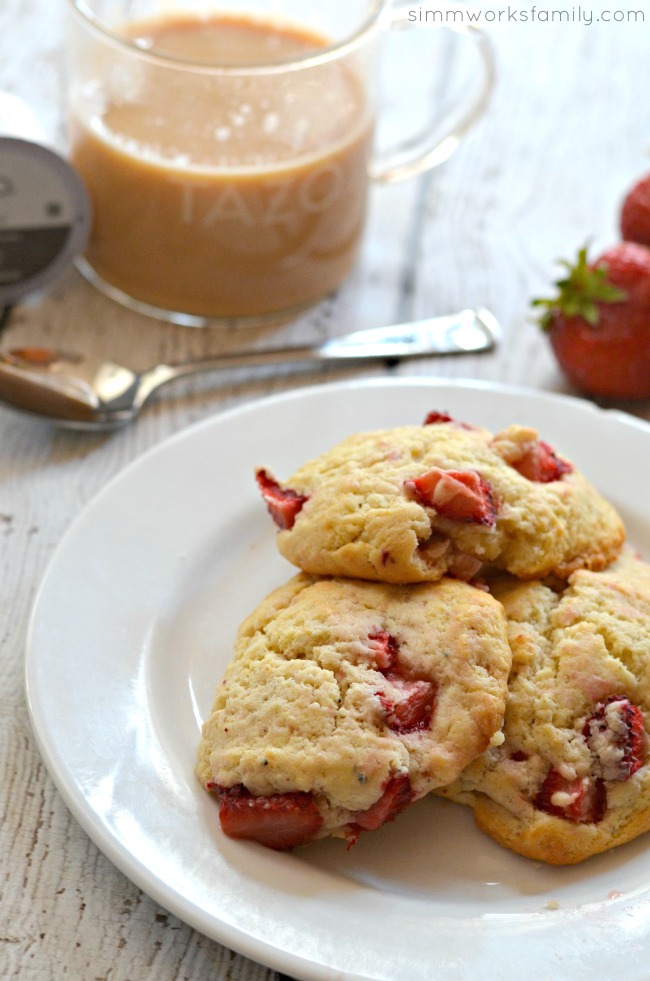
x=567, y=131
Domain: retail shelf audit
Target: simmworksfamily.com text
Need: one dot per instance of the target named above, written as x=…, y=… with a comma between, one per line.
x=532, y=14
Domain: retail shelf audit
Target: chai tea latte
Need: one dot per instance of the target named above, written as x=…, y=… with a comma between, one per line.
x=224, y=192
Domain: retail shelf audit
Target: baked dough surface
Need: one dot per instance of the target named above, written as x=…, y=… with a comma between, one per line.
x=311, y=701
x=573, y=652
x=362, y=519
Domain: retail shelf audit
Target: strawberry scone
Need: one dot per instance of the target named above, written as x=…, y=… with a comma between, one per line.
x=571, y=778
x=415, y=503
x=348, y=700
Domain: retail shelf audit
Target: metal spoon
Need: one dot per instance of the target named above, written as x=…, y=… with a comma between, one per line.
x=84, y=392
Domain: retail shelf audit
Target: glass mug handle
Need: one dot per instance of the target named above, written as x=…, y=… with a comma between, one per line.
x=418, y=154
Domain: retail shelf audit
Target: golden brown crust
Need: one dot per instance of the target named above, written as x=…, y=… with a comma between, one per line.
x=546, y=840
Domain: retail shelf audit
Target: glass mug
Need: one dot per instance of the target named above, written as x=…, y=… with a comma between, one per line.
x=227, y=148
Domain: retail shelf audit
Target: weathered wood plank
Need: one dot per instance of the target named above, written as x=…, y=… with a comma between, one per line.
x=567, y=131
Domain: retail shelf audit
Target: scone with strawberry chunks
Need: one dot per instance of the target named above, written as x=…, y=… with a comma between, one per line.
x=415, y=503
x=572, y=776
x=346, y=701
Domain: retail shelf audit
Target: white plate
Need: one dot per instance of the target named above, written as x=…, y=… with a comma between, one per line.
x=132, y=629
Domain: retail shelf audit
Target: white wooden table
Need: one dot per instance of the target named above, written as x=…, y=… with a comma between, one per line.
x=567, y=132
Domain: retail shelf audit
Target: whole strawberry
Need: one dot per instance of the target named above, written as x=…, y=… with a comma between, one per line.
x=599, y=322
x=635, y=213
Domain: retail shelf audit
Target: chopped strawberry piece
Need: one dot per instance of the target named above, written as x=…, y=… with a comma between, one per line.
x=397, y=795
x=410, y=705
x=435, y=417
x=463, y=566
x=615, y=735
x=460, y=495
x=541, y=464
x=385, y=648
x=283, y=503
x=413, y=709
x=582, y=800
x=279, y=821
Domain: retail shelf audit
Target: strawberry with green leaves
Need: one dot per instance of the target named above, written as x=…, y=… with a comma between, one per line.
x=599, y=322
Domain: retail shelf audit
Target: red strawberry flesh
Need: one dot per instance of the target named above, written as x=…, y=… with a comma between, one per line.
x=397, y=795
x=279, y=821
x=413, y=707
x=583, y=800
x=460, y=495
x=385, y=649
x=433, y=418
x=635, y=213
x=283, y=503
x=541, y=464
x=410, y=703
x=615, y=736
x=627, y=265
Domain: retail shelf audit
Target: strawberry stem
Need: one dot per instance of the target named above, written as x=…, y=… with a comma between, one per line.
x=579, y=292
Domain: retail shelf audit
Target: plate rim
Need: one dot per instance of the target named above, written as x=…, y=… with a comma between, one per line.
x=136, y=871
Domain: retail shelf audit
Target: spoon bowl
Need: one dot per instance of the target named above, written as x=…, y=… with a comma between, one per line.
x=86, y=392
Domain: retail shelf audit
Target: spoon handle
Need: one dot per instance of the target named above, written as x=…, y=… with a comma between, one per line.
x=466, y=332
x=90, y=393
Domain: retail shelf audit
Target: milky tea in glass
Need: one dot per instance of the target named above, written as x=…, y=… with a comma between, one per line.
x=225, y=152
